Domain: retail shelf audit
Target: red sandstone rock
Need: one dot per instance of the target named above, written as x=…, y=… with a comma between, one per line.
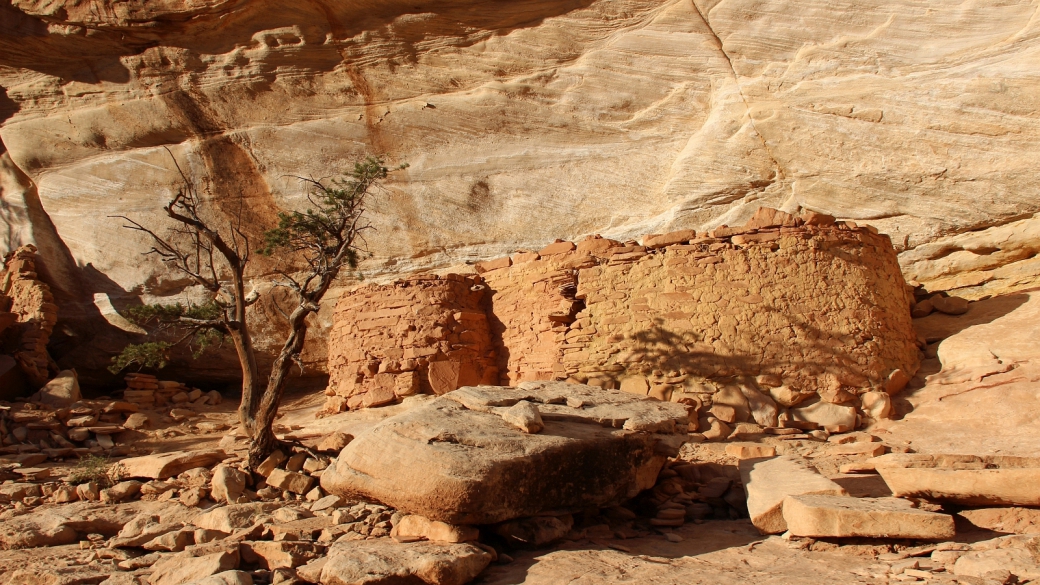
x=556, y=248
x=669, y=239
x=811, y=218
x=489, y=265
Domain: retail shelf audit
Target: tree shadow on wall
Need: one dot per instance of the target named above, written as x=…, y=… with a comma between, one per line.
x=667, y=349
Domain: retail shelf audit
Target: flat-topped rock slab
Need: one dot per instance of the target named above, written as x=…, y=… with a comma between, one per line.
x=455, y=460
x=166, y=465
x=768, y=481
x=963, y=479
x=819, y=516
x=386, y=561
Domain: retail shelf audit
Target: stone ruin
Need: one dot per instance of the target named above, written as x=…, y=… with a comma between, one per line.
x=27, y=317
x=785, y=321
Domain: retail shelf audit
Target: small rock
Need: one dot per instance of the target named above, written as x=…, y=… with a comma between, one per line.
x=291, y=481
x=389, y=562
x=749, y=450
x=209, y=426
x=295, y=463
x=181, y=414
x=326, y=503
x=228, y=483
x=185, y=568
x=420, y=526
x=60, y=392
x=271, y=463
x=311, y=465
x=334, y=442
x=192, y=497
x=281, y=554
x=233, y=517
x=225, y=578
x=78, y=435
x=290, y=515
x=65, y=494
x=525, y=416
x=203, y=535
x=88, y=491
x=135, y=421
x=122, y=491
x=673, y=537
x=950, y=305
x=536, y=531
x=922, y=308
x=173, y=541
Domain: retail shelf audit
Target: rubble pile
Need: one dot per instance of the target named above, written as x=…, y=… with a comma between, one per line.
x=57, y=423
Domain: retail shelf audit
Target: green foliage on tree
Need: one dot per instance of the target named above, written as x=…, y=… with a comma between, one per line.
x=199, y=321
x=212, y=250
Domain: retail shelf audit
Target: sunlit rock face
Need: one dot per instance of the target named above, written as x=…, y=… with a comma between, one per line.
x=521, y=122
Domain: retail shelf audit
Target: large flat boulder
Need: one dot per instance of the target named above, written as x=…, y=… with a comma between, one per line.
x=841, y=517
x=234, y=516
x=768, y=481
x=166, y=465
x=963, y=479
x=455, y=460
x=384, y=562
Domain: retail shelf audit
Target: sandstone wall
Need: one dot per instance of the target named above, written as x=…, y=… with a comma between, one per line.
x=789, y=311
x=425, y=334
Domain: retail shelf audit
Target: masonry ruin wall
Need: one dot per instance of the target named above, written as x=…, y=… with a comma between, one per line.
x=753, y=324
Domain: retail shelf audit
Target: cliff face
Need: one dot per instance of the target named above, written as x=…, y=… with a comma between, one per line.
x=521, y=122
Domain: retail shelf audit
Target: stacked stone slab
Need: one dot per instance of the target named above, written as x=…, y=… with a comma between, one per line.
x=148, y=390
x=426, y=334
x=787, y=318
x=27, y=307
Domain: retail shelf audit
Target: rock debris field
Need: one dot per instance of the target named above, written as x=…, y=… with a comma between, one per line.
x=909, y=454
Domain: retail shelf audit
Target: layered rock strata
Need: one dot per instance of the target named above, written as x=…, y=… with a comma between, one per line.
x=782, y=312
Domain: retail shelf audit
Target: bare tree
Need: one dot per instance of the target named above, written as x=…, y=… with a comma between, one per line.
x=326, y=238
